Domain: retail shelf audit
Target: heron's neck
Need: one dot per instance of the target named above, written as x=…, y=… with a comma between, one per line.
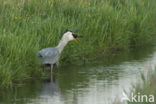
x=61, y=45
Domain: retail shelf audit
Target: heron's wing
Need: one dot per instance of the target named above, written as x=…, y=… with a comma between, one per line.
x=49, y=55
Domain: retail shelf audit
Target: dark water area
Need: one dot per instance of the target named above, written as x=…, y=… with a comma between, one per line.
x=97, y=82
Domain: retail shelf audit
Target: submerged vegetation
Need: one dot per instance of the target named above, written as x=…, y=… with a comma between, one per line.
x=27, y=26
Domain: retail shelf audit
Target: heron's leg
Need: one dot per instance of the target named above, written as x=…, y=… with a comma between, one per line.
x=51, y=68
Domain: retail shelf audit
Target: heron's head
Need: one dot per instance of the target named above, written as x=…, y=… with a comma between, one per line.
x=70, y=35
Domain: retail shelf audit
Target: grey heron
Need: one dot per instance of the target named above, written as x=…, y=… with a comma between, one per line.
x=50, y=56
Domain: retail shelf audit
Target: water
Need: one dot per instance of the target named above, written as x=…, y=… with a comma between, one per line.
x=98, y=82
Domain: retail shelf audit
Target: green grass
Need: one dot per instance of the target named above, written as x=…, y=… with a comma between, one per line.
x=26, y=26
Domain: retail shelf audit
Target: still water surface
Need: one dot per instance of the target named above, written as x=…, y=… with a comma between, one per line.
x=98, y=82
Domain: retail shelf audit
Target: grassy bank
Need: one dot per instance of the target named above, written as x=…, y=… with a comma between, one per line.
x=27, y=26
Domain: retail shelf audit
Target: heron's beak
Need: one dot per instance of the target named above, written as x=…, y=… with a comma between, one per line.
x=76, y=40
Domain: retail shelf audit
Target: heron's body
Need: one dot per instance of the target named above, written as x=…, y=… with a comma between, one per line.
x=51, y=55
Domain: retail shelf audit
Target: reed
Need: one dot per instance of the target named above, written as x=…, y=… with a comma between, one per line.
x=146, y=88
